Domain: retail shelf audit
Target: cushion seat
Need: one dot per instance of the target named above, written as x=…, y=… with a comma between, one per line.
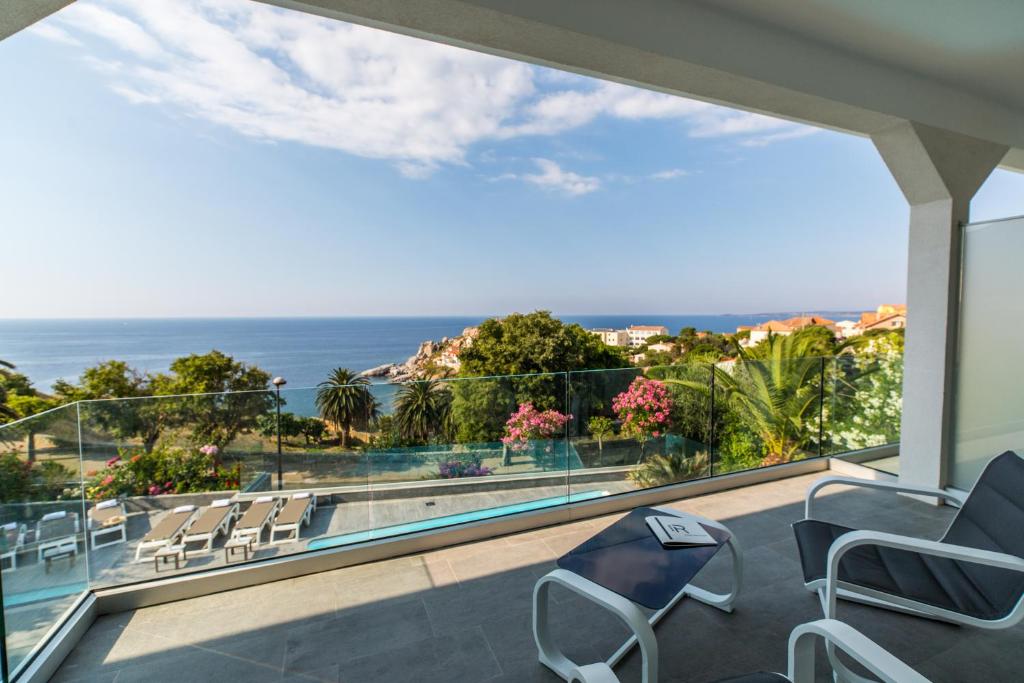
x=990, y=519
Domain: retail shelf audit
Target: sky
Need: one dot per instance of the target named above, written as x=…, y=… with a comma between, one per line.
x=225, y=158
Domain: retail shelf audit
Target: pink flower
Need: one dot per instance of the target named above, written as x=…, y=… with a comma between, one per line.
x=107, y=480
x=113, y=461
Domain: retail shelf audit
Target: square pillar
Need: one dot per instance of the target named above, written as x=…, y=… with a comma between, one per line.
x=939, y=172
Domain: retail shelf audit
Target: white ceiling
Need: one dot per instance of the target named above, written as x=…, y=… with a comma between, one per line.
x=972, y=45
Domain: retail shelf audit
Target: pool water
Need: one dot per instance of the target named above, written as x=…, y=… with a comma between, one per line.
x=448, y=520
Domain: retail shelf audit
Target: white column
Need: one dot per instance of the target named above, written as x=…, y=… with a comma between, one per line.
x=938, y=172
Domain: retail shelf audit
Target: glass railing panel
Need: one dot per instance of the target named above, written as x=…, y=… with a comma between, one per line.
x=183, y=473
x=43, y=553
x=635, y=429
x=461, y=450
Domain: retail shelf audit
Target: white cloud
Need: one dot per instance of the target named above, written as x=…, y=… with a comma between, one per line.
x=279, y=75
x=554, y=177
x=669, y=174
x=54, y=33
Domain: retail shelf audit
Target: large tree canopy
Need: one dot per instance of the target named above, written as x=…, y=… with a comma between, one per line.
x=535, y=343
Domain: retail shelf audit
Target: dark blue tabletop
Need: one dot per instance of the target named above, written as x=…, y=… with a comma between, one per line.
x=628, y=559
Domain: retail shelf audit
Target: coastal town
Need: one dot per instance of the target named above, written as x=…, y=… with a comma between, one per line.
x=646, y=343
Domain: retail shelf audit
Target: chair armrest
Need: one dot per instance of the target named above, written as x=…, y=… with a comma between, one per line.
x=952, y=496
x=853, y=539
x=866, y=652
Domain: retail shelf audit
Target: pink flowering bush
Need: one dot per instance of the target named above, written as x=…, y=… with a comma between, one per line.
x=644, y=408
x=162, y=471
x=458, y=469
x=529, y=424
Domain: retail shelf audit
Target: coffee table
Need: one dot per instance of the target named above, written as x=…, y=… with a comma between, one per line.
x=625, y=568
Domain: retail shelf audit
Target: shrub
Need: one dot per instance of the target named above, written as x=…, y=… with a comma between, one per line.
x=659, y=470
x=644, y=408
x=162, y=471
x=457, y=469
x=23, y=481
x=528, y=424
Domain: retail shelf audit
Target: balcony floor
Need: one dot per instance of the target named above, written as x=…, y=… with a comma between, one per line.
x=464, y=613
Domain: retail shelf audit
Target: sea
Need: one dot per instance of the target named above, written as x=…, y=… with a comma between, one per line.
x=302, y=350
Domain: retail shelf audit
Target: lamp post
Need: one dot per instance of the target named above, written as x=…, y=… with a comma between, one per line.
x=278, y=383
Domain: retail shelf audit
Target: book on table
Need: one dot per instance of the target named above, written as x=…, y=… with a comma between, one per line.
x=679, y=532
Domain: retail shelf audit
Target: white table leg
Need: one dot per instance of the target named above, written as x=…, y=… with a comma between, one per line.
x=631, y=615
x=722, y=601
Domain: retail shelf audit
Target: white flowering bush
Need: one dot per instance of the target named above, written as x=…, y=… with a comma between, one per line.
x=869, y=396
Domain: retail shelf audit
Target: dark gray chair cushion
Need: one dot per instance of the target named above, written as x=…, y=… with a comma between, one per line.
x=991, y=519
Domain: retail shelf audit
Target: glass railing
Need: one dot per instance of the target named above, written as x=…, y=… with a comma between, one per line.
x=117, y=492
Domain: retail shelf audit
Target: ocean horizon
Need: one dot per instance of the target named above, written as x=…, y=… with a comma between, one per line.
x=301, y=349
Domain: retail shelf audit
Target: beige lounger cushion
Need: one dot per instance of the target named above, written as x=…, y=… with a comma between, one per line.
x=293, y=511
x=257, y=515
x=108, y=516
x=168, y=527
x=208, y=522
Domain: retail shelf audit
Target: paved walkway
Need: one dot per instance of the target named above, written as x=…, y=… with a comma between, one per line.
x=463, y=613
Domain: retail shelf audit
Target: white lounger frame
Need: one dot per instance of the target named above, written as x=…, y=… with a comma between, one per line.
x=120, y=529
x=836, y=634
x=257, y=532
x=156, y=545
x=292, y=530
x=831, y=588
x=71, y=539
x=12, y=552
x=209, y=538
x=631, y=615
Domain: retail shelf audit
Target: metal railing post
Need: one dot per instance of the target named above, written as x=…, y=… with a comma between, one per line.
x=711, y=425
x=821, y=410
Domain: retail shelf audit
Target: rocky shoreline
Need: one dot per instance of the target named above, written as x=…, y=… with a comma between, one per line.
x=432, y=359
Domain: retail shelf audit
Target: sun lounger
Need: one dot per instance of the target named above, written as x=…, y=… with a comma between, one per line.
x=257, y=518
x=296, y=512
x=56, y=529
x=106, y=519
x=214, y=521
x=168, y=531
x=12, y=538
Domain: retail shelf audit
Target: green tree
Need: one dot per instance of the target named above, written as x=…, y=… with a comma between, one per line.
x=344, y=400
x=600, y=428
x=423, y=411
x=774, y=390
x=213, y=396
x=525, y=357
x=124, y=419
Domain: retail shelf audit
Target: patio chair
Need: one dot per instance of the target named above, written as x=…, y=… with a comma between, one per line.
x=57, y=530
x=801, y=658
x=12, y=538
x=106, y=519
x=256, y=519
x=168, y=531
x=214, y=521
x=296, y=512
x=974, y=575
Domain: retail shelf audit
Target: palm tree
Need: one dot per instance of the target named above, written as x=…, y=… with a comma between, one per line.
x=423, y=411
x=775, y=390
x=6, y=412
x=344, y=400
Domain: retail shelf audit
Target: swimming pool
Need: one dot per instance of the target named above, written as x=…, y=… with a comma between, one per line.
x=448, y=520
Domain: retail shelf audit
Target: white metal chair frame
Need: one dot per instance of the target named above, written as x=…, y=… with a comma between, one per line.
x=629, y=612
x=256, y=533
x=830, y=588
x=836, y=634
x=164, y=542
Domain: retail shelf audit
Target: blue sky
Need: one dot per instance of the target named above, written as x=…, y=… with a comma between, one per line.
x=202, y=158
